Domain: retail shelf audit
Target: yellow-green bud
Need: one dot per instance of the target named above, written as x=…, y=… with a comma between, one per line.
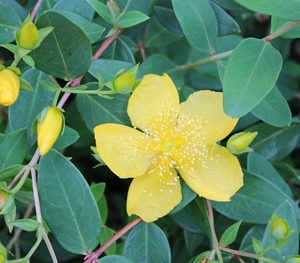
x=3, y=254
x=29, y=36
x=238, y=143
x=124, y=81
x=294, y=259
x=3, y=199
x=49, y=129
x=9, y=87
x=279, y=229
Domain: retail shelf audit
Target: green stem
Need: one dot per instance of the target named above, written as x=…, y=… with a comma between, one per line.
x=281, y=31
x=247, y=255
x=16, y=61
x=21, y=182
x=54, y=102
x=96, y=92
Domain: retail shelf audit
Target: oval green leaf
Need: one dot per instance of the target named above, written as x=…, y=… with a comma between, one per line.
x=66, y=139
x=274, y=109
x=229, y=236
x=66, y=52
x=68, y=205
x=250, y=74
x=114, y=259
x=130, y=19
x=198, y=23
x=147, y=243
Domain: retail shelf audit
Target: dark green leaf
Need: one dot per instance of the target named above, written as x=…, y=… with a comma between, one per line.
x=130, y=19
x=273, y=109
x=278, y=23
x=69, y=137
x=13, y=148
x=115, y=259
x=250, y=74
x=254, y=206
x=17, y=7
x=66, y=52
x=9, y=23
x=229, y=236
x=257, y=232
x=288, y=9
x=98, y=190
x=96, y=110
x=226, y=24
x=192, y=240
x=105, y=235
x=147, y=243
x=10, y=171
x=68, y=205
x=270, y=140
x=33, y=102
x=200, y=25
x=286, y=211
x=93, y=31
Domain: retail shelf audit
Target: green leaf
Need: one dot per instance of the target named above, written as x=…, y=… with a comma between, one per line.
x=274, y=109
x=198, y=23
x=101, y=9
x=250, y=74
x=33, y=102
x=115, y=259
x=25, y=224
x=159, y=64
x=226, y=24
x=66, y=52
x=192, y=240
x=260, y=165
x=67, y=203
x=285, y=210
x=257, y=246
x=92, y=30
x=106, y=234
x=252, y=203
x=28, y=60
x=96, y=110
x=97, y=190
x=9, y=23
x=277, y=23
x=13, y=148
x=270, y=140
x=66, y=139
x=257, y=232
x=147, y=243
x=229, y=236
x=47, y=85
x=288, y=9
x=10, y=171
x=130, y=19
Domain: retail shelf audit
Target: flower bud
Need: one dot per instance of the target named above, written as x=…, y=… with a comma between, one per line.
x=9, y=87
x=279, y=229
x=124, y=82
x=238, y=143
x=294, y=259
x=3, y=254
x=29, y=36
x=49, y=128
x=3, y=199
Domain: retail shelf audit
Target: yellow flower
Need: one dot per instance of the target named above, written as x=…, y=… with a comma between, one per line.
x=238, y=143
x=29, y=36
x=3, y=254
x=49, y=129
x=9, y=87
x=3, y=199
x=170, y=138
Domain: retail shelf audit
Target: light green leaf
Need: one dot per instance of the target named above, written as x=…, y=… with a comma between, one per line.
x=105, y=235
x=101, y=9
x=198, y=23
x=66, y=52
x=288, y=9
x=278, y=22
x=13, y=148
x=254, y=206
x=274, y=109
x=250, y=74
x=286, y=211
x=9, y=23
x=257, y=246
x=25, y=224
x=10, y=171
x=130, y=19
x=115, y=259
x=68, y=205
x=229, y=236
x=147, y=243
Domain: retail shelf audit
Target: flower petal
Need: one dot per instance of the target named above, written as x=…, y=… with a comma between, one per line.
x=154, y=194
x=214, y=174
x=206, y=108
x=153, y=106
x=126, y=151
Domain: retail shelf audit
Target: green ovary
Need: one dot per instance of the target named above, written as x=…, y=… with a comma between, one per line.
x=168, y=147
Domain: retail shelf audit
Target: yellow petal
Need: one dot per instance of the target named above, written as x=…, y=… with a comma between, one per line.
x=213, y=173
x=206, y=108
x=126, y=151
x=153, y=106
x=154, y=194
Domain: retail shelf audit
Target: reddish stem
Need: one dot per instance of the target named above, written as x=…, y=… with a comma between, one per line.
x=35, y=9
x=95, y=255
